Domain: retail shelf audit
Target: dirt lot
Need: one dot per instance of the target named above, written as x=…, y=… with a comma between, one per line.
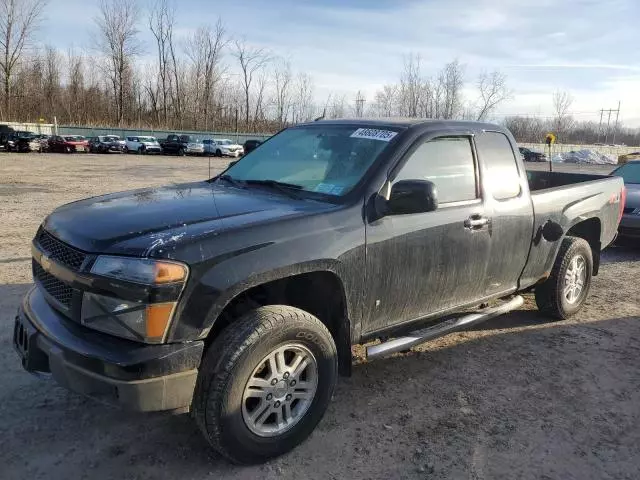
x=518, y=398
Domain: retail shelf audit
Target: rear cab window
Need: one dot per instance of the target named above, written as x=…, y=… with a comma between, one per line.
x=502, y=176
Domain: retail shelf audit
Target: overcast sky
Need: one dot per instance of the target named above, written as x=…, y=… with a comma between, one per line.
x=587, y=47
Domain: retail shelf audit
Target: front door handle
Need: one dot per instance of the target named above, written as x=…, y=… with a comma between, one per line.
x=475, y=222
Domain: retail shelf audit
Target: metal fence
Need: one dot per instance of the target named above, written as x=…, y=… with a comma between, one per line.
x=160, y=134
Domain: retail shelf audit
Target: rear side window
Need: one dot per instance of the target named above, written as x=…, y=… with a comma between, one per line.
x=448, y=163
x=495, y=152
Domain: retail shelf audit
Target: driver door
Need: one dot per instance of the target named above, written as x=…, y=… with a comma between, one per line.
x=420, y=264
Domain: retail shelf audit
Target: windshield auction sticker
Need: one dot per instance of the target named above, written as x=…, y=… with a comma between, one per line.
x=374, y=134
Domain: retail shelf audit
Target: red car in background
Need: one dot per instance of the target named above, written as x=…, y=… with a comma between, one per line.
x=68, y=144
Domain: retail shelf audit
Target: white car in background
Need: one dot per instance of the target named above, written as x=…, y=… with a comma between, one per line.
x=223, y=148
x=143, y=145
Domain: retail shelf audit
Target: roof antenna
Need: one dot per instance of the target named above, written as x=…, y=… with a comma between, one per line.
x=324, y=111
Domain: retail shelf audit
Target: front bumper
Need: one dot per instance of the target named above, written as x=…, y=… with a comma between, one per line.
x=629, y=226
x=236, y=154
x=194, y=150
x=134, y=375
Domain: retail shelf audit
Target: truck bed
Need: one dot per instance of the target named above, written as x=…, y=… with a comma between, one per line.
x=569, y=198
x=542, y=180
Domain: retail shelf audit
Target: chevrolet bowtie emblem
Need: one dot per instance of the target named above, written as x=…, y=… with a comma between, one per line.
x=45, y=262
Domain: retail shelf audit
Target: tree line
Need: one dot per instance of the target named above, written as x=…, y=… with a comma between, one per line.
x=213, y=80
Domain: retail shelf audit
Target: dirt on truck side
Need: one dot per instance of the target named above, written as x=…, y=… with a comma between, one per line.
x=517, y=397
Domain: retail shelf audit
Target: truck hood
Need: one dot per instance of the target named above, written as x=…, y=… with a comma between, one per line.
x=149, y=221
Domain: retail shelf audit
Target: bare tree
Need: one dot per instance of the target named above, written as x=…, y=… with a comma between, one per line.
x=385, y=102
x=161, y=26
x=282, y=77
x=18, y=23
x=118, y=42
x=303, y=98
x=493, y=91
x=204, y=49
x=251, y=60
x=410, y=86
x=452, y=79
x=562, y=102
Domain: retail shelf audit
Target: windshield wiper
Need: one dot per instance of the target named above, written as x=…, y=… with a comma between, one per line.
x=229, y=179
x=288, y=189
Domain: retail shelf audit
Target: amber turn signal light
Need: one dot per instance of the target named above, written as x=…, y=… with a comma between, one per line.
x=165, y=272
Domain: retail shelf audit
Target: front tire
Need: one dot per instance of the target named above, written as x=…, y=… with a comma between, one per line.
x=563, y=294
x=265, y=383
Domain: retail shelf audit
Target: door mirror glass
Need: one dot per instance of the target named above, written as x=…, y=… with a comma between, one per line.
x=412, y=196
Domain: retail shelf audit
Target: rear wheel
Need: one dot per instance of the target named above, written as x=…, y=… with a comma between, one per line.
x=265, y=383
x=567, y=288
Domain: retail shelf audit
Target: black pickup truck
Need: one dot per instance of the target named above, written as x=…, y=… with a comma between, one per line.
x=238, y=298
x=182, y=145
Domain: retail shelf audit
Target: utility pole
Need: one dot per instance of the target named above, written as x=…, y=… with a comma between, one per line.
x=609, y=112
x=600, y=126
x=615, y=128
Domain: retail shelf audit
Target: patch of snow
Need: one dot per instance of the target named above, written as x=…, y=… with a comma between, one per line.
x=586, y=156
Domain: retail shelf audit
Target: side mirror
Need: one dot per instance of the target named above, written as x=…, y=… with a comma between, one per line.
x=412, y=196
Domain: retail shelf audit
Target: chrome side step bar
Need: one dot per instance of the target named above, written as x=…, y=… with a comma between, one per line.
x=440, y=330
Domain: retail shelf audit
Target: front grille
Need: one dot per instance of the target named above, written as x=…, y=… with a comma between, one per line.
x=59, y=290
x=59, y=251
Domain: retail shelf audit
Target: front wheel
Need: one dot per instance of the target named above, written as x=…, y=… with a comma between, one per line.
x=567, y=288
x=265, y=383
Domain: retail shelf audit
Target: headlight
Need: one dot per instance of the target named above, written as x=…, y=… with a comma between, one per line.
x=140, y=270
x=133, y=320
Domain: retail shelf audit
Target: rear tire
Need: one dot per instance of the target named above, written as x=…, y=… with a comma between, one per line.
x=565, y=291
x=224, y=402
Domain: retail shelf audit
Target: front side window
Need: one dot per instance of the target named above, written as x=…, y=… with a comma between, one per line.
x=495, y=152
x=327, y=159
x=448, y=163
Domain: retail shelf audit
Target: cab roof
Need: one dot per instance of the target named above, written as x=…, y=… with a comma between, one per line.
x=407, y=122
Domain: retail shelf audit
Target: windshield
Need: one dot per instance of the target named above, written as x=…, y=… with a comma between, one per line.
x=73, y=138
x=146, y=139
x=630, y=173
x=224, y=142
x=326, y=159
x=112, y=138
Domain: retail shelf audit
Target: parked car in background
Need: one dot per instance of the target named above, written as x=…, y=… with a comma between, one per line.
x=11, y=139
x=68, y=144
x=182, y=145
x=529, y=155
x=251, y=145
x=5, y=131
x=627, y=157
x=106, y=144
x=630, y=222
x=29, y=142
x=227, y=148
x=142, y=145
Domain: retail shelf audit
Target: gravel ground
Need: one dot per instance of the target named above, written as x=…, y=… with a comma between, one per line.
x=519, y=397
